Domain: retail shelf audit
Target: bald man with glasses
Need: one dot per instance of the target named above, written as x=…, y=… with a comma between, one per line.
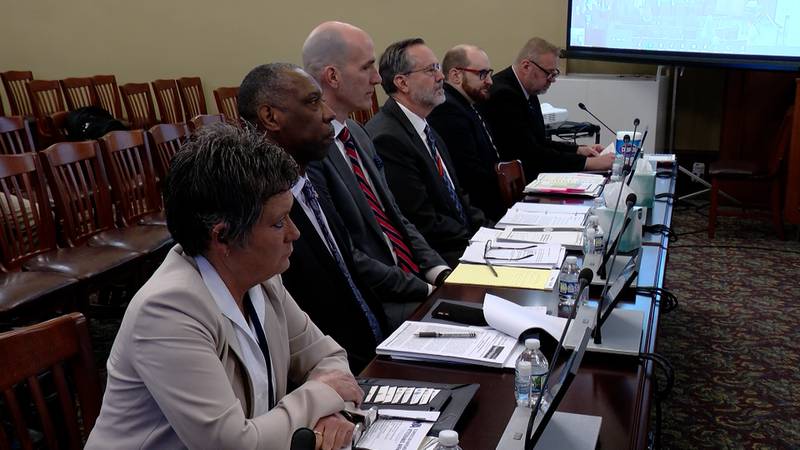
x=515, y=115
x=468, y=78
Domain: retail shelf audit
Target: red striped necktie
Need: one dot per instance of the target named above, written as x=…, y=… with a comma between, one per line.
x=405, y=258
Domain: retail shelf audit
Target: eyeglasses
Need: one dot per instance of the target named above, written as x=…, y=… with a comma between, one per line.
x=427, y=70
x=551, y=74
x=482, y=73
x=506, y=253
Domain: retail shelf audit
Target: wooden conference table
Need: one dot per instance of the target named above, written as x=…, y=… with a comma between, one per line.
x=617, y=388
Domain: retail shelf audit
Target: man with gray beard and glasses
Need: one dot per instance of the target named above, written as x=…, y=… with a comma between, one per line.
x=417, y=164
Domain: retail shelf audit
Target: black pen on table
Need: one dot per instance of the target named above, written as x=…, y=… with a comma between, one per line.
x=436, y=334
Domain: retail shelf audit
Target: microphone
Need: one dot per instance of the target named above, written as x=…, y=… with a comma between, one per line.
x=636, y=156
x=583, y=107
x=303, y=439
x=628, y=165
x=630, y=201
x=584, y=279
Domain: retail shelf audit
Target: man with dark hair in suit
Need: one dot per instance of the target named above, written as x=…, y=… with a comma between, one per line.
x=418, y=165
x=515, y=116
x=392, y=255
x=468, y=77
x=286, y=103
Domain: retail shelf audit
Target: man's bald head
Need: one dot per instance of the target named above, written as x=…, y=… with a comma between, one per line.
x=328, y=45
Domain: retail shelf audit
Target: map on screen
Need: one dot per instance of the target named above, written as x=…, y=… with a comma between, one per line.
x=732, y=27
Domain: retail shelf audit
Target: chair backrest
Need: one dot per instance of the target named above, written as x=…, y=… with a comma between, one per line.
x=2, y=110
x=202, y=120
x=14, y=82
x=168, y=139
x=80, y=189
x=364, y=116
x=168, y=100
x=139, y=105
x=15, y=136
x=46, y=97
x=108, y=94
x=130, y=169
x=26, y=221
x=79, y=92
x=62, y=348
x=511, y=180
x=192, y=96
x=782, y=142
x=227, y=99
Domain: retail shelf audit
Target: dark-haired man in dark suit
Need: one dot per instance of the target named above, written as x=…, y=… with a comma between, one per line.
x=515, y=116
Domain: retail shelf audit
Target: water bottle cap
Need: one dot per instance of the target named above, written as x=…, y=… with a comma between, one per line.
x=532, y=344
x=448, y=437
x=572, y=260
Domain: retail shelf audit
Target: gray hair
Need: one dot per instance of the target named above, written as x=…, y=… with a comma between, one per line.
x=536, y=47
x=394, y=61
x=223, y=174
x=265, y=84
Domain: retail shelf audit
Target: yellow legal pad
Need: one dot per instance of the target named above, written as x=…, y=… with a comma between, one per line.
x=509, y=277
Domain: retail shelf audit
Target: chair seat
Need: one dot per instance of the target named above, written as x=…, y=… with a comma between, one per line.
x=137, y=238
x=159, y=218
x=81, y=262
x=736, y=168
x=18, y=289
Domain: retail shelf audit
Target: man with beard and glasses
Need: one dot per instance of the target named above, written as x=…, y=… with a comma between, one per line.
x=417, y=163
x=515, y=116
x=468, y=77
x=286, y=103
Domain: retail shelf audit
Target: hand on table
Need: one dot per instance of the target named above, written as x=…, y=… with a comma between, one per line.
x=333, y=432
x=590, y=150
x=343, y=383
x=600, y=162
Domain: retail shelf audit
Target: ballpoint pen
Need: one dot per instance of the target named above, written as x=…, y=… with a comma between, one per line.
x=436, y=334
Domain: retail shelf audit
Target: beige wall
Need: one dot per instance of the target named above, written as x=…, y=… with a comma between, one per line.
x=141, y=41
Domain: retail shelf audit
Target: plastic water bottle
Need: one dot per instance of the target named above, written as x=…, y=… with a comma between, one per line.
x=568, y=283
x=448, y=440
x=531, y=370
x=593, y=245
x=599, y=202
x=616, y=170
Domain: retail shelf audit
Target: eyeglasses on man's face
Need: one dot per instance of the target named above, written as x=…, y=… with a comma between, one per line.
x=429, y=70
x=551, y=74
x=481, y=73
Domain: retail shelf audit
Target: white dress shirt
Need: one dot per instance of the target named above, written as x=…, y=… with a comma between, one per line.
x=419, y=125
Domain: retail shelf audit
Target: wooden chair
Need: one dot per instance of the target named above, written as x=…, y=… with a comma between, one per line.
x=15, y=83
x=168, y=139
x=192, y=96
x=227, y=99
x=363, y=117
x=133, y=179
x=511, y=180
x=61, y=349
x=202, y=120
x=15, y=136
x=168, y=100
x=139, y=105
x=772, y=174
x=47, y=100
x=2, y=109
x=108, y=94
x=79, y=92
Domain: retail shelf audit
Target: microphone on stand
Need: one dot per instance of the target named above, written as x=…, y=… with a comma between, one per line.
x=629, y=164
x=583, y=107
x=636, y=156
x=630, y=201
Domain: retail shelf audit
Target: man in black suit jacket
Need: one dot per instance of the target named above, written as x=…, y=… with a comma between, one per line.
x=286, y=103
x=391, y=254
x=468, y=78
x=418, y=166
x=515, y=116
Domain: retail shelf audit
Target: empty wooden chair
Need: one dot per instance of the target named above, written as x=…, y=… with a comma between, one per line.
x=202, y=120
x=168, y=100
x=363, y=117
x=139, y=105
x=227, y=99
x=15, y=83
x=60, y=347
x=15, y=136
x=192, y=96
x=511, y=180
x=79, y=92
x=168, y=139
x=108, y=94
x=47, y=100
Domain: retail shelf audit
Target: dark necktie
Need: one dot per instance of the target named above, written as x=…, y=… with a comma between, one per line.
x=310, y=196
x=262, y=343
x=448, y=184
x=404, y=256
x=486, y=130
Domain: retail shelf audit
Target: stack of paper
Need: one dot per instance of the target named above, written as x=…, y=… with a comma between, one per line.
x=571, y=240
x=508, y=277
x=550, y=208
x=582, y=184
x=542, y=220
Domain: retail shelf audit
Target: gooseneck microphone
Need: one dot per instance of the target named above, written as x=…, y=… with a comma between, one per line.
x=583, y=107
x=585, y=279
x=303, y=439
x=636, y=156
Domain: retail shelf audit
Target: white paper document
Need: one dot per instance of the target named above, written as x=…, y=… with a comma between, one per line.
x=488, y=347
x=513, y=319
x=540, y=220
x=394, y=434
x=572, y=240
x=549, y=208
x=516, y=254
x=566, y=183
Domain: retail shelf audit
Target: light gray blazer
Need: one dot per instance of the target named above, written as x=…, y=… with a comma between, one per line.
x=176, y=378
